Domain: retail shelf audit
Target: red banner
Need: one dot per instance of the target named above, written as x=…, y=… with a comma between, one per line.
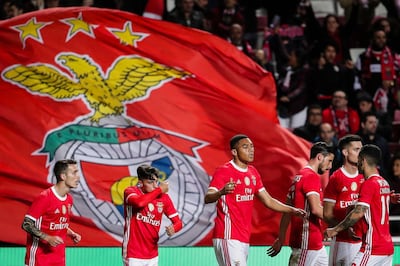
x=114, y=90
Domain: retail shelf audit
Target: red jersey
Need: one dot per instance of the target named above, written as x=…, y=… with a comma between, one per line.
x=142, y=225
x=51, y=215
x=305, y=233
x=342, y=190
x=234, y=211
x=343, y=121
x=375, y=194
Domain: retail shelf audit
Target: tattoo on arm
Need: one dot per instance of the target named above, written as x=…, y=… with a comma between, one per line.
x=29, y=226
x=353, y=216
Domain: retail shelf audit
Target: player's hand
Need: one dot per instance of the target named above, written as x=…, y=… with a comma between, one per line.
x=299, y=212
x=170, y=230
x=53, y=240
x=164, y=186
x=229, y=187
x=330, y=232
x=75, y=237
x=275, y=248
x=394, y=197
x=352, y=234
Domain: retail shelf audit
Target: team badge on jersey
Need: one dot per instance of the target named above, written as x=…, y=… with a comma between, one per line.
x=160, y=207
x=353, y=186
x=151, y=207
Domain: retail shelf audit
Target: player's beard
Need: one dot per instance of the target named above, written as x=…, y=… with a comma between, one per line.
x=352, y=163
x=320, y=170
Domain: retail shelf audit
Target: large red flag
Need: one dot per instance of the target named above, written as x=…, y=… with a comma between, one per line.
x=114, y=90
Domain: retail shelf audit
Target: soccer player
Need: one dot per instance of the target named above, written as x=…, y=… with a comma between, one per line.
x=144, y=205
x=306, y=193
x=47, y=220
x=233, y=187
x=340, y=194
x=372, y=210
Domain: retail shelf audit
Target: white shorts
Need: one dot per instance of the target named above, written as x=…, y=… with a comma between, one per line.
x=304, y=257
x=372, y=260
x=230, y=252
x=141, y=262
x=342, y=253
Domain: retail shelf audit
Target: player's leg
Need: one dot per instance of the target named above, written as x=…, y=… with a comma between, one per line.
x=302, y=257
x=333, y=252
x=316, y=257
x=346, y=252
x=230, y=252
x=143, y=262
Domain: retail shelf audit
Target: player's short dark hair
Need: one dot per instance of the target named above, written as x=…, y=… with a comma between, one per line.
x=61, y=166
x=320, y=147
x=345, y=141
x=145, y=171
x=371, y=153
x=235, y=139
x=365, y=116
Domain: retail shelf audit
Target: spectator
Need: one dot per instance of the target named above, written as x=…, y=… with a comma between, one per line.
x=185, y=14
x=261, y=58
x=343, y=118
x=331, y=31
x=363, y=12
x=391, y=28
x=236, y=38
x=329, y=76
x=310, y=129
x=392, y=8
x=365, y=105
x=369, y=135
x=293, y=93
x=327, y=134
x=203, y=7
x=376, y=67
x=224, y=16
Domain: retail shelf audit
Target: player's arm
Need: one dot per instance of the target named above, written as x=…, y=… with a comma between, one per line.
x=329, y=217
x=214, y=194
x=73, y=235
x=176, y=225
x=276, y=205
x=29, y=226
x=140, y=201
x=284, y=224
x=356, y=214
x=316, y=208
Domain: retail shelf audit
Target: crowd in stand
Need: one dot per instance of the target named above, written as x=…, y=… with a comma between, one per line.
x=322, y=92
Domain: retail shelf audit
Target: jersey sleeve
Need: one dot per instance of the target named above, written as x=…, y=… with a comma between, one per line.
x=38, y=207
x=311, y=185
x=172, y=214
x=367, y=192
x=219, y=179
x=140, y=200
